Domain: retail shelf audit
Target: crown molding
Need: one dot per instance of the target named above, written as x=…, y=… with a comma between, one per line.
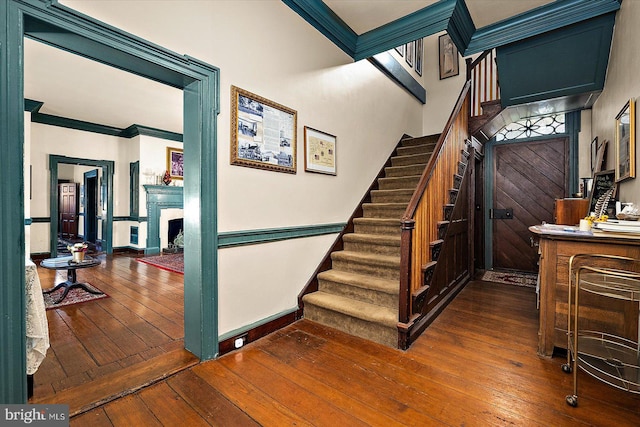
x=543, y=19
x=322, y=18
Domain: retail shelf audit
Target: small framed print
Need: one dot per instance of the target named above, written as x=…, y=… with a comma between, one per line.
x=448, y=52
x=410, y=53
x=319, y=151
x=626, y=142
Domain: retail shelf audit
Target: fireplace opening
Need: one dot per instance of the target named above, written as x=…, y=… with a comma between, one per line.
x=173, y=229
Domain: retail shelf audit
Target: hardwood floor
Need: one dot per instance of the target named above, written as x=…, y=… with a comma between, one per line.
x=475, y=366
x=101, y=348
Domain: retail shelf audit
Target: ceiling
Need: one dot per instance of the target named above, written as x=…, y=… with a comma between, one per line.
x=74, y=87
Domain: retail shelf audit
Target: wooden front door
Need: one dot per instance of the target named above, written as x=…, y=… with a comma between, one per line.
x=529, y=176
x=68, y=209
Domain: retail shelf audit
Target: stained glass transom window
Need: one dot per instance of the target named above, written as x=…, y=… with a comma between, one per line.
x=532, y=127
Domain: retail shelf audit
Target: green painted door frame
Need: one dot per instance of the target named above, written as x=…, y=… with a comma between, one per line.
x=51, y=23
x=108, y=167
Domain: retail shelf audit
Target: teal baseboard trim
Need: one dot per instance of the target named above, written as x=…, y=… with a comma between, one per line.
x=124, y=218
x=253, y=237
x=40, y=219
x=386, y=63
x=128, y=249
x=257, y=330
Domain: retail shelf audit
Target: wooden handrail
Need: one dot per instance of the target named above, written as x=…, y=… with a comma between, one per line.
x=428, y=171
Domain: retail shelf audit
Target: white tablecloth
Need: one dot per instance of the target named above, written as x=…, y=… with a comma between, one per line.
x=37, y=326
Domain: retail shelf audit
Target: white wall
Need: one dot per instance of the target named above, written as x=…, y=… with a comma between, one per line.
x=622, y=84
x=267, y=49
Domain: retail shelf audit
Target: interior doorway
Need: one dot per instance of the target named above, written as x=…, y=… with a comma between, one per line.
x=91, y=206
x=68, y=210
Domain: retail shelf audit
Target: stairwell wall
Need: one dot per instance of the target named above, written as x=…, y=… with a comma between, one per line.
x=622, y=83
x=265, y=48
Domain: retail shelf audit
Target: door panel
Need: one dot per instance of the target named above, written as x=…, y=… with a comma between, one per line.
x=529, y=176
x=68, y=208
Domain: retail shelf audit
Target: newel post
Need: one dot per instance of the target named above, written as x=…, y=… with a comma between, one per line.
x=404, y=327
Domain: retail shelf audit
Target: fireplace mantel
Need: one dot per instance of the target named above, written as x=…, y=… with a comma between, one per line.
x=159, y=197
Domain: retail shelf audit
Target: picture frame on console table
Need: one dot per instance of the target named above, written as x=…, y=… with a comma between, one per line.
x=626, y=142
x=319, y=151
x=263, y=133
x=602, y=182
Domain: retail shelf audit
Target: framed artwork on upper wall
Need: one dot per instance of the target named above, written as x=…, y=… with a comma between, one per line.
x=410, y=53
x=448, y=53
x=419, y=52
x=400, y=50
x=319, y=151
x=175, y=162
x=263, y=133
x=626, y=142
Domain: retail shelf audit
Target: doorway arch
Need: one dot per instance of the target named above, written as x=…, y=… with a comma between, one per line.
x=64, y=28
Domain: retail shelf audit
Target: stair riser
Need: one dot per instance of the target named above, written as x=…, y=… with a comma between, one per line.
x=371, y=331
x=398, y=183
x=372, y=248
x=412, y=170
x=365, y=295
x=416, y=149
x=387, y=230
x=380, y=212
x=409, y=160
x=390, y=197
x=431, y=139
x=386, y=272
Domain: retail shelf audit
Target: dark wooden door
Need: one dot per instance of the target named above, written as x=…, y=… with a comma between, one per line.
x=68, y=209
x=529, y=176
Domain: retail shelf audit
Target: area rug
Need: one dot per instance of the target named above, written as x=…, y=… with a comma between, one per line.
x=511, y=278
x=169, y=262
x=75, y=296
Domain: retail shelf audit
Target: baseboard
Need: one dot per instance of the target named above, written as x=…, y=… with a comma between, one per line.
x=227, y=344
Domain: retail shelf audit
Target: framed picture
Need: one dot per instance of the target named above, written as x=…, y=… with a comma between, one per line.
x=448, y=53
x=175, y=162
x=263, y=133
x=603, y=182
x=626, y=142
x=400, y=50
x=409, y=52
x=419, y=51
x=319, y=151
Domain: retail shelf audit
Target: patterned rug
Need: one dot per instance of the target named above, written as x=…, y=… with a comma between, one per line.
x=511, y=278
x=169, y=262
x=75, y=296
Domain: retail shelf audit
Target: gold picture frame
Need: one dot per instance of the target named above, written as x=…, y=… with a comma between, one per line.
x=319, y=151
x=263, y=133
x=175, y=162
x=626, y=142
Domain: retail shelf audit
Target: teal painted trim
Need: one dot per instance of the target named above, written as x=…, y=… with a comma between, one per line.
x=386, y=63
x=422, y=23
x=130, y=132
x=247, y=328
x=13, y=384
x=123, y=218
x=48, y=119
x=28, y=221
x=135, y=130
x=254, y=237
x=572, y=126
x=32, y=106
x=134, y=188
x=108, y=169
x=461, y=27
x=40, y=219
x=545, y=18
x=322, y=18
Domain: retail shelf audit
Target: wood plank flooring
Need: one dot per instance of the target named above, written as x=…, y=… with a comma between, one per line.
x=475, y=366
x=100, y=349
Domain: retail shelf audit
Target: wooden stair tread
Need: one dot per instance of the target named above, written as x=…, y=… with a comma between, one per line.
x=365, y=258
x=381, y=239
x=130, y=379
x=354, y=308
x=361, y=281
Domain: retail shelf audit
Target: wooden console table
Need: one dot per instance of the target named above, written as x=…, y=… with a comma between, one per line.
x=556, y=247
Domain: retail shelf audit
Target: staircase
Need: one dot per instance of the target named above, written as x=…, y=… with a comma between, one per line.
x=359, y=294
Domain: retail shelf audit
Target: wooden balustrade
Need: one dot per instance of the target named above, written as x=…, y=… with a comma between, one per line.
x=483, y=75
x=426, y=208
